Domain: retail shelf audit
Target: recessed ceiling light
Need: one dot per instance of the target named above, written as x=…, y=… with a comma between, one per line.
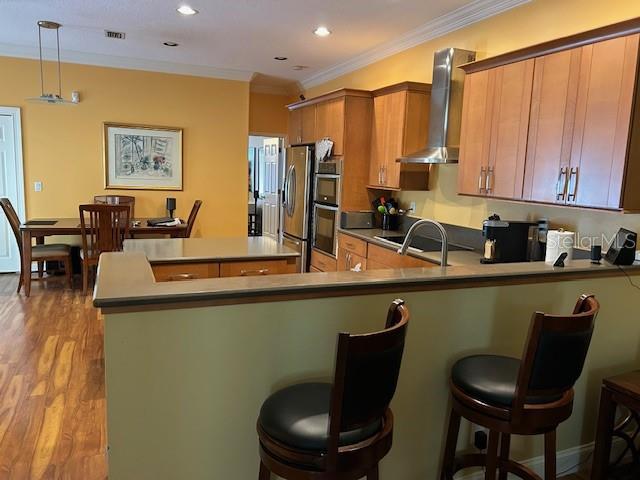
x=280, y=59
x=170, y=44
x=187, y=10
x=322, y=31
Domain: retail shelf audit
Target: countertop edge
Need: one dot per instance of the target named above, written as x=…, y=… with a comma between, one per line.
x=151, y=295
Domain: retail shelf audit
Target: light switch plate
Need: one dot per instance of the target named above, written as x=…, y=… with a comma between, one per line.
x=37, y=186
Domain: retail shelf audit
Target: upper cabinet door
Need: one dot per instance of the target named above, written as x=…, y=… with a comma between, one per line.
x=394, y=138
x=602, y=122
x=555, y=82
x=308, y=124
x=475, y=133
x=330, y=123
x=509, y=127
x=295, y=127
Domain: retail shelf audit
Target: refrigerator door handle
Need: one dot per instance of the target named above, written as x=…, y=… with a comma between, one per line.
x=286, y=191
x=292, y=186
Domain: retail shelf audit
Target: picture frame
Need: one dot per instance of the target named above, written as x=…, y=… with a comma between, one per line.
x=142, y=157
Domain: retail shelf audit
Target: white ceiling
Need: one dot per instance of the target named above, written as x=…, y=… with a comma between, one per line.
x=236, y=38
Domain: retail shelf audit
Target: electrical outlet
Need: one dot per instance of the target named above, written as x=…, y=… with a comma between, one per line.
x=412, y=207
x=37, y=186
x=479, y=436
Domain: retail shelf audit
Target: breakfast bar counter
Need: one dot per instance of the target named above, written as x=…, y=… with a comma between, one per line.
x=188, y=363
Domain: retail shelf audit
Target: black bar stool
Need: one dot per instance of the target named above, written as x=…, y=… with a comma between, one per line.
x=531, y=396
x=325, y=431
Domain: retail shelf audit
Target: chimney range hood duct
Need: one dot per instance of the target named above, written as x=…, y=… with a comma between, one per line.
x=446, y=108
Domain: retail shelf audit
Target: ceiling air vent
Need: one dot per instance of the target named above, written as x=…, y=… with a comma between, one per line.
x=112, y=34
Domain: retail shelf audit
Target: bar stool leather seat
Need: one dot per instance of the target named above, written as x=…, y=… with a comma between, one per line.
x=492, y=379
x=298, y=416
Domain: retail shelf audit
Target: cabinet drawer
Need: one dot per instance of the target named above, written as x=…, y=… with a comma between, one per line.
x=389, y=257
x=347, y=260
x=373, y=265
x=354, y=245
x=323, y=262
x=313, y=269
x=257, y=267
x=169, y=272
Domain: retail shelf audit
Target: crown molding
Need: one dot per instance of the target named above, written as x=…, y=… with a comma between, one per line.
x=273, y=89
x=474, y=12
x=113, y=61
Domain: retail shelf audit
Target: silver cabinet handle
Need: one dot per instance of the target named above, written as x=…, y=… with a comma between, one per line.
x=348, y=261
x=572, y=184
x=561, y=184
x=182, y=276
x=379, y=175
x=246, y=273
x=384, y=175
x=488, y=183
x=481, y=180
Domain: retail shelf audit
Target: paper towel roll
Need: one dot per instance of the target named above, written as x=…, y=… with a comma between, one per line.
x=559, y=242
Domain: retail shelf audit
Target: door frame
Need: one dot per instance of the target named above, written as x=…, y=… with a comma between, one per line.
x=14, y=113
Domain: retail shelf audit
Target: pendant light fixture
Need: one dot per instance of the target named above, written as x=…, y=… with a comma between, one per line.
x=52, y=98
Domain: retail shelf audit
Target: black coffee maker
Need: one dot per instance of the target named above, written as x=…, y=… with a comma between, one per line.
x=505, y=241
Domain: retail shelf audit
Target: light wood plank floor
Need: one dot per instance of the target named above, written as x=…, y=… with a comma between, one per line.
x=52, y=402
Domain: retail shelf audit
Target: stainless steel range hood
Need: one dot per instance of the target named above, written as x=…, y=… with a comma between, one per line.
x=446, y=108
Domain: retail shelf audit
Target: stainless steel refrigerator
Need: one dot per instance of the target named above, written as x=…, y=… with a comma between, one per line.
x=296, y=202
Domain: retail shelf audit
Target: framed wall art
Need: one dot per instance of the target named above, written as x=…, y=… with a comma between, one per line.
x=142, y=157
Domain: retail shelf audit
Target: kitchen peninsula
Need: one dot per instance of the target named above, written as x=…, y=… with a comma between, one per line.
x=188, y=363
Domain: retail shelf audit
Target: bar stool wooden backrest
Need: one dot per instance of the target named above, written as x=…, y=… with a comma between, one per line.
x=103, y=228
x=555, y=352
x=366, y=375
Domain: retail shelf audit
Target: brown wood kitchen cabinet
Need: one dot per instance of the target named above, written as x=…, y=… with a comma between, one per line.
x=344, y=116
x=330, y=123
x=400, y=127
x=352, y=251
x=176, y=271
x=302, y=124
x=494, y=130
x=581, y=135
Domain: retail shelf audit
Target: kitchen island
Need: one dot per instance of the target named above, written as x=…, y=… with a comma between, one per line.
x=174, y=259
x=188, y=364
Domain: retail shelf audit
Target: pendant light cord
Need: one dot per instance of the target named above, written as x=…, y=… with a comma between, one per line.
x=59, y=75
x=41, y=66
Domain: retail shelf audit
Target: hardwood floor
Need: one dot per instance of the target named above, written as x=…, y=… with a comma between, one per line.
x=52, y=401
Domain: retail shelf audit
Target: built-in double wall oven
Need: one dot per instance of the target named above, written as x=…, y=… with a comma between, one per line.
x=326, y=206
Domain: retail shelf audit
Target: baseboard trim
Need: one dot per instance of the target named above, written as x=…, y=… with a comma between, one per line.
x=568, y=461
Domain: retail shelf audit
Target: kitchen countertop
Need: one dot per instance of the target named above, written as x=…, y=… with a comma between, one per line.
x=455, y=257
x=186, y=250
x=125, y=282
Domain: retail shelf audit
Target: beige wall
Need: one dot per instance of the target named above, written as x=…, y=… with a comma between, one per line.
x=184, y=387
x=63, y=144
x=529, y=24
x=268, y=114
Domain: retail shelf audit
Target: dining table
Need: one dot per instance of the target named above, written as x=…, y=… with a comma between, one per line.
x=39, y=228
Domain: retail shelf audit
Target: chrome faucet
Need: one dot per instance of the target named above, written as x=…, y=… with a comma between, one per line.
x=412, y=233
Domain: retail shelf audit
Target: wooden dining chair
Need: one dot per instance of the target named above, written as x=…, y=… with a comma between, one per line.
x=531, y=396
x=39, y=253
x=337, y=431
x=117, y=200
x=103, y=229
x=192, y=218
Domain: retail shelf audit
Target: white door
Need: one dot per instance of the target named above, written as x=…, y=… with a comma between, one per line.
x=11, y=185
x=270, y=205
